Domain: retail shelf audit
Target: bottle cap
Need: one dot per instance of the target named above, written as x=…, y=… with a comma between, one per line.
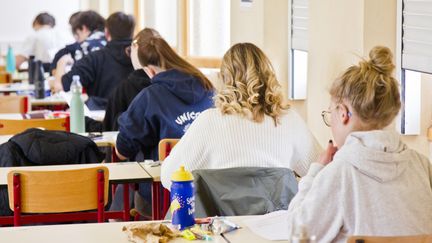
x=182, y=175
x=76, y=86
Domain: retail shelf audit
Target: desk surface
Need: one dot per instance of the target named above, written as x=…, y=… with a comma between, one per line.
x=127, y=172
x=107, y=139
x=97, y=115
x=16, y=87
x=49, y=100
x=107, y=233
x=154, y=172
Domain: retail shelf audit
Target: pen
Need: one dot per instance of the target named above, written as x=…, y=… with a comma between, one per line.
x=224, y=237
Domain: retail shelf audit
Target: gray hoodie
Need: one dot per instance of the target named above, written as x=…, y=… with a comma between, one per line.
x=374, y=186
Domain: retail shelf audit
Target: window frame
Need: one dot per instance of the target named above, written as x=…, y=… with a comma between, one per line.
x=294, y=93
x=182, y=35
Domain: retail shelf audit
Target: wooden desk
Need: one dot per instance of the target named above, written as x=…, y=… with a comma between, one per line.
x=49, y=100
x=153, y=171
x=108, y=139
x=108, y=233
x=125, y=172
x=157, y=198
x=16, y=87
x=97, y=115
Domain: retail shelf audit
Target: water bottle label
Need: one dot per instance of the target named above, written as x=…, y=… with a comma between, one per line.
x=183, y=210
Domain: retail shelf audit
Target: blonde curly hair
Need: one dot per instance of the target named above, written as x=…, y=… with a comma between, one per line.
x=250, y=87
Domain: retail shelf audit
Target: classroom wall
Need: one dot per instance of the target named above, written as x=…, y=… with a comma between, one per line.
x=339, y=36
x=16, y=20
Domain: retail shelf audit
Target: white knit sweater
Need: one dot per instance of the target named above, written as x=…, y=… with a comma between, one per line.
x=374, y=186
x=216, y=141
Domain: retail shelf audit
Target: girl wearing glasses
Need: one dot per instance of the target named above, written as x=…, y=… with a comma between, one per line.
x=369, y=182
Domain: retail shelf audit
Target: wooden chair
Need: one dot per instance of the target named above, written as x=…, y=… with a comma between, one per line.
x=5, y=77
x=14, y=104
x=165, y=147
x=58, y=196
x=10, y=127
x=391, y=239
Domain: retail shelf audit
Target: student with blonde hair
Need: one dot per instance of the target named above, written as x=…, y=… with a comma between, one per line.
x=251, y=125
x=369, y=182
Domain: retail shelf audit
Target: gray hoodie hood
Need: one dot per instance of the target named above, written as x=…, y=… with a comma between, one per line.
x=378, y=154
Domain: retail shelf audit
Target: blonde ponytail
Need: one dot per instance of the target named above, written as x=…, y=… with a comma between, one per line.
x=370, y=88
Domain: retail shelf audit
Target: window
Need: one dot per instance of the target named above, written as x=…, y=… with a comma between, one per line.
x=414, y=58
x=198, y=29
x=160, y=15
x=299, y=49
x=209, y=22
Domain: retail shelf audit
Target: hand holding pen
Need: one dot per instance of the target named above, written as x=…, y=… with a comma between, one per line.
x=327, y=156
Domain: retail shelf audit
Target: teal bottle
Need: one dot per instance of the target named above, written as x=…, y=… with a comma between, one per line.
x=10, y=61
x=76, y=106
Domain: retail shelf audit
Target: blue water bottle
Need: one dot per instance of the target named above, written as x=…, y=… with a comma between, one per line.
x=182, y=199
x=10, y=61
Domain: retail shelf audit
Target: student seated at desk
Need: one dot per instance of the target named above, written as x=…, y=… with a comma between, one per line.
x=251, y=126
x=43, y=43
x=178, y=94
x=88, y=29
x=101, y=71
x=122, y=96
x=369, y=182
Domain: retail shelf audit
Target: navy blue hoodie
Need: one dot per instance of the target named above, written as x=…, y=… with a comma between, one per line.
x=165, y=109
x=100, y=72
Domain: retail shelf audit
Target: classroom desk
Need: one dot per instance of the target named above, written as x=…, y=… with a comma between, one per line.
x=155, y=172
x=108, y=139
x=119, y=173
x=97, y=115
x=109, y=233
x=16, y=87
x=49, y=100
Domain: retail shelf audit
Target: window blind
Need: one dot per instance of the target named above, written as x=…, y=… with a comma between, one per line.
x=299, y=24
x=417, y=35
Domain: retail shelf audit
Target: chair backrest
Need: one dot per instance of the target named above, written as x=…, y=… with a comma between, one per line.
x=10, y=127
x=243, y=191
x=14, y=104
x=5, y=77
x=391, y=239
x=165, y=146
x=58, y=191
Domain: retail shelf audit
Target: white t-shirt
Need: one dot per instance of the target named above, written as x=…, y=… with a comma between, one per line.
x=43, y=44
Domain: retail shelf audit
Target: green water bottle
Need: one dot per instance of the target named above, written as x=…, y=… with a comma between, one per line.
x=10, y=61
x=76, y=106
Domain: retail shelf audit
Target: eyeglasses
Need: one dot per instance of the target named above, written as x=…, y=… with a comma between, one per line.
x=326, y=116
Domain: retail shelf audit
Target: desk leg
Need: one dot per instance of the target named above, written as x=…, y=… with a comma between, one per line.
x=156, y=186
x=126, y=214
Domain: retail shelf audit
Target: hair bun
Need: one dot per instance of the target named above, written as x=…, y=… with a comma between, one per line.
x=381, y=59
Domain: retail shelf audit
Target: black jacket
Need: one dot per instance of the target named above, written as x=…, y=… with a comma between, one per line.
x=101, y=71
x=38, y=147
x=122, y=96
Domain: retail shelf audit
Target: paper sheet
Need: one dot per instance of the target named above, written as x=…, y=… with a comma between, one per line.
x=272, y=226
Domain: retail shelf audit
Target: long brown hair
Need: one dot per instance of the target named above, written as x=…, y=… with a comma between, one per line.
x=156, y=51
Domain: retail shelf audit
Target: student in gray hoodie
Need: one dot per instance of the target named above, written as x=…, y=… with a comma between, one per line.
x=369, y=182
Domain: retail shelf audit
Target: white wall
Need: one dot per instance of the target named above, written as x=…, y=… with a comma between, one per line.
x=16, y=18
